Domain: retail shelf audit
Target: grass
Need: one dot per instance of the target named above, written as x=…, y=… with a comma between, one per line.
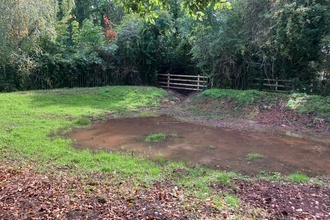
x=232, y=200
x=298, y=177
x=83, y=121
x=175, y=135
x=254, y=156
x=223, y=178
x=242, y=97
x=28, y=119
x=317, y=105
x=154, y=138
x=212, y=147
x=157, y=137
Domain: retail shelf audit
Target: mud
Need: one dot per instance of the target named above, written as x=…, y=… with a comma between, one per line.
x=219, y=148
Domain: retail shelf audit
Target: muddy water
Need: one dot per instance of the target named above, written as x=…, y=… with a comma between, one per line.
x=214, y=147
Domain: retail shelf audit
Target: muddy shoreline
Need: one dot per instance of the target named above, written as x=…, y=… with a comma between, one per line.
x=217, y=142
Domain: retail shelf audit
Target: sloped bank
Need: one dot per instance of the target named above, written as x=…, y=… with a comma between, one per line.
x=293, y=114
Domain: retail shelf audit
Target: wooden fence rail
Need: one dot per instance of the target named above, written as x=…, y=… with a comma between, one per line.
x=184, y=82
x=274, y=85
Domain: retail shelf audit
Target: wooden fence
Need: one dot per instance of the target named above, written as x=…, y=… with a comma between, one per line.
x=81, y=80
x=184, y=82
x=274, y=85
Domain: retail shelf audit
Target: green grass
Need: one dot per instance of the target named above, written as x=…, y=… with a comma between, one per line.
x=212, y=147
x=28, y=118
x=157, y=137
x=83, y=121
x=317, y=105
x=154, y=138
x=232, y=200
x=175, y=135
x=223, y=178
x=298, y=177
x=239, y=96
x=254, y=156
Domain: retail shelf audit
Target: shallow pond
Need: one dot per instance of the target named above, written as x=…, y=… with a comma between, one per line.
x=221, y=148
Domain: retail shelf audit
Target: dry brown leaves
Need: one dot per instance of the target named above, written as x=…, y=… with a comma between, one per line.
x=285, y=201
x=26, y=194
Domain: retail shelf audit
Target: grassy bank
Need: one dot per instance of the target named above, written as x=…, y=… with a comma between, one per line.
x=300, y=102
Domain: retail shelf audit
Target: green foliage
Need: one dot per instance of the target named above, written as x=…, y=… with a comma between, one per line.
x=298, y=177
x=142, y=47
x=61, y=43
x=218, y=202
x=254, y=156
x=146, y=7
x=154, y=138
x=23, y=24
x=296, y=23
x=88, y=35
x=130, y=98
x=223, y=178
x=232, y=50
x=314, y=104
x=242, y=97
x=83, y=121
x=219, y=45
x=175, y=135
x=232, y=200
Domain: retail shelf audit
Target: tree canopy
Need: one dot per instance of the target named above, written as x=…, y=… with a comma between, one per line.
x=195, y=6
x=64, y=43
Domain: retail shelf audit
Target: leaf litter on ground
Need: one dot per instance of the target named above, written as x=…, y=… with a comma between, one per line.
x=26, y=193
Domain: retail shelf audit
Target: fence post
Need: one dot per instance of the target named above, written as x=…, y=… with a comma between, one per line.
x=294, y=80
x=168, y=80
x=276, y=83
x=261, y=83
x=198, y=82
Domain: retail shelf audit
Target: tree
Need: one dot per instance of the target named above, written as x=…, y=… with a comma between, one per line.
x=23, y=23
x=195, y=7
x=220, y=45
x=293, y=41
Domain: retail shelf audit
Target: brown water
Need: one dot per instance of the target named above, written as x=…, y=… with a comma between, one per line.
x=221, y=148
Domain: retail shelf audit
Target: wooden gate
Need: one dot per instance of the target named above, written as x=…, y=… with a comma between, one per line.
x=184, y=82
